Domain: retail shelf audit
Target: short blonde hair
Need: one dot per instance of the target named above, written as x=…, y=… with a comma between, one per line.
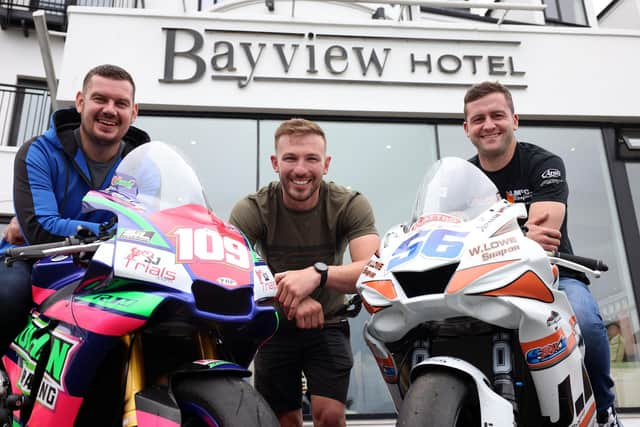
x=297, y=126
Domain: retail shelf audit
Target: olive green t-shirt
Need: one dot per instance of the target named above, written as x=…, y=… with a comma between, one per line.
x=291, y=240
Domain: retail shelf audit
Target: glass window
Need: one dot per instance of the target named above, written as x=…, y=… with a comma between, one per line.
x=633, y=173
x=566, y=11
x=222, y=152
x=573, y=12
x=593, y=226
x=386, y=163
x=551, y=12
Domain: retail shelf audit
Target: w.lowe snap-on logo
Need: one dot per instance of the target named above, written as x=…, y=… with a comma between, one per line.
x=551, y=173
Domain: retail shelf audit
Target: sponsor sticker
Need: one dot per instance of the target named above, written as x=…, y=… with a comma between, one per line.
x=553, y=318
x=546, y=352
x=551, y=173
x=495, y=248
x=265, y=284
x=226, y=281
x=146, y=261
x=137, y=235
x=121, y=182
x=439, y=217
x=28, y=345
x=519, y=195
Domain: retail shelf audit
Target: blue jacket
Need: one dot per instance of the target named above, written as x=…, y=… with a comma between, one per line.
x=51, y=176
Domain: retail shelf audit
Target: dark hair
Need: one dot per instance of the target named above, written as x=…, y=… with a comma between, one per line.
x=483, y=89
x=297, y=126
x=109, y=71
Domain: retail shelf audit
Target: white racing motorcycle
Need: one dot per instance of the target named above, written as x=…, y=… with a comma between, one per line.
x=468, y=326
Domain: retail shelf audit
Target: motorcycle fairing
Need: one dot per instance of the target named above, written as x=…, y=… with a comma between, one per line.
x=153, y=417
x=52, y=274
x=96, y=315
x=197, y=245
x=465, y=276
x=155, y=407
x=200, y=239
x=23, y=358
x=386, y=364
x=195, y=238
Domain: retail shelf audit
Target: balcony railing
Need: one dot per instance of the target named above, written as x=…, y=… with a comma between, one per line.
x=24, y=113
x=17, y=13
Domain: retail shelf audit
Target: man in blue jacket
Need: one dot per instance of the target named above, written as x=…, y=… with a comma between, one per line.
x=79, y=152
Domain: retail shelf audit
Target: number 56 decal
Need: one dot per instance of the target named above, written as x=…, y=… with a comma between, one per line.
x=204, y=244
x=440, y=243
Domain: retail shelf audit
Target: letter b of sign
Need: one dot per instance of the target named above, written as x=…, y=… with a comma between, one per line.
x=170, y=55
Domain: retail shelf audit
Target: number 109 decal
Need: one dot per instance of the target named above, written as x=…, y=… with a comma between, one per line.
x=439, y=243
x=204, y=244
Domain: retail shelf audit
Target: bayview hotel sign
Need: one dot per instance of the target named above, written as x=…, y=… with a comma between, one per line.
x=253, y=57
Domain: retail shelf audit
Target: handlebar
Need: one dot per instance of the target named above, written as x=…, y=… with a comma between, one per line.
x=36, y=251
x=351, y=307
x=591, y=263
x=84, y=241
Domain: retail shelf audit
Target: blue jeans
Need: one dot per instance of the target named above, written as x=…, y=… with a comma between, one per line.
x=15, y=300
x=594, y=333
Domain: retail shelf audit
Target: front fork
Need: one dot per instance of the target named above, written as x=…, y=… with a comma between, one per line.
x=135, y=370
x=502, y=363
x=503, y=368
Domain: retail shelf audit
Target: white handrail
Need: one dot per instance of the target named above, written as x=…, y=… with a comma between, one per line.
x=455, y=4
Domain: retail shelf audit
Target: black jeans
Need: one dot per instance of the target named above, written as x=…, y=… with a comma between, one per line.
x=15, y=300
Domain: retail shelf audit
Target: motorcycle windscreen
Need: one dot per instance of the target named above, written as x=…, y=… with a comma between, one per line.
x=455, y=188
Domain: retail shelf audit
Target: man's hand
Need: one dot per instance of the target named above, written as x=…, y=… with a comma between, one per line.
x=294, y=286
x=548, y=238
x=12, y=233
x=309, y=314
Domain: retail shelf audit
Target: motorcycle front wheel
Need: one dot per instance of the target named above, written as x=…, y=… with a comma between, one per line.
x=223, y=402
x=440, y=399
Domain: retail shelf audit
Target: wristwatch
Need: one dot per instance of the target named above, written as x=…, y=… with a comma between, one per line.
x=323, y=269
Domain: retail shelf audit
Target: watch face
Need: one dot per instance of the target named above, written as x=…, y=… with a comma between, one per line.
x=320, y=267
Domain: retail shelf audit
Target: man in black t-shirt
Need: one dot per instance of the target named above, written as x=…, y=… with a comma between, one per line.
x=536, y=177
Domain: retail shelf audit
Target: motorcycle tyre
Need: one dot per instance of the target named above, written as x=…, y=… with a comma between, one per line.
x=439, y=399
x=231, y=401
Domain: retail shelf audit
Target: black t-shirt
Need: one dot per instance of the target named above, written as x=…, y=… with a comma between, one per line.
x=535, y=175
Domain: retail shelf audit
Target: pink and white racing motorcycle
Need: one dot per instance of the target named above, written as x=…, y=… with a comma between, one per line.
x=468, y=326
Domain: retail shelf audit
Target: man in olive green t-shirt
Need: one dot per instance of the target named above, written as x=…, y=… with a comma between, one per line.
x=302, y=225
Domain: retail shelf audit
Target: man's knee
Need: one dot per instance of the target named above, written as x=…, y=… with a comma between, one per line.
x=584, y=306
x=327, y=412
x=290, y=418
